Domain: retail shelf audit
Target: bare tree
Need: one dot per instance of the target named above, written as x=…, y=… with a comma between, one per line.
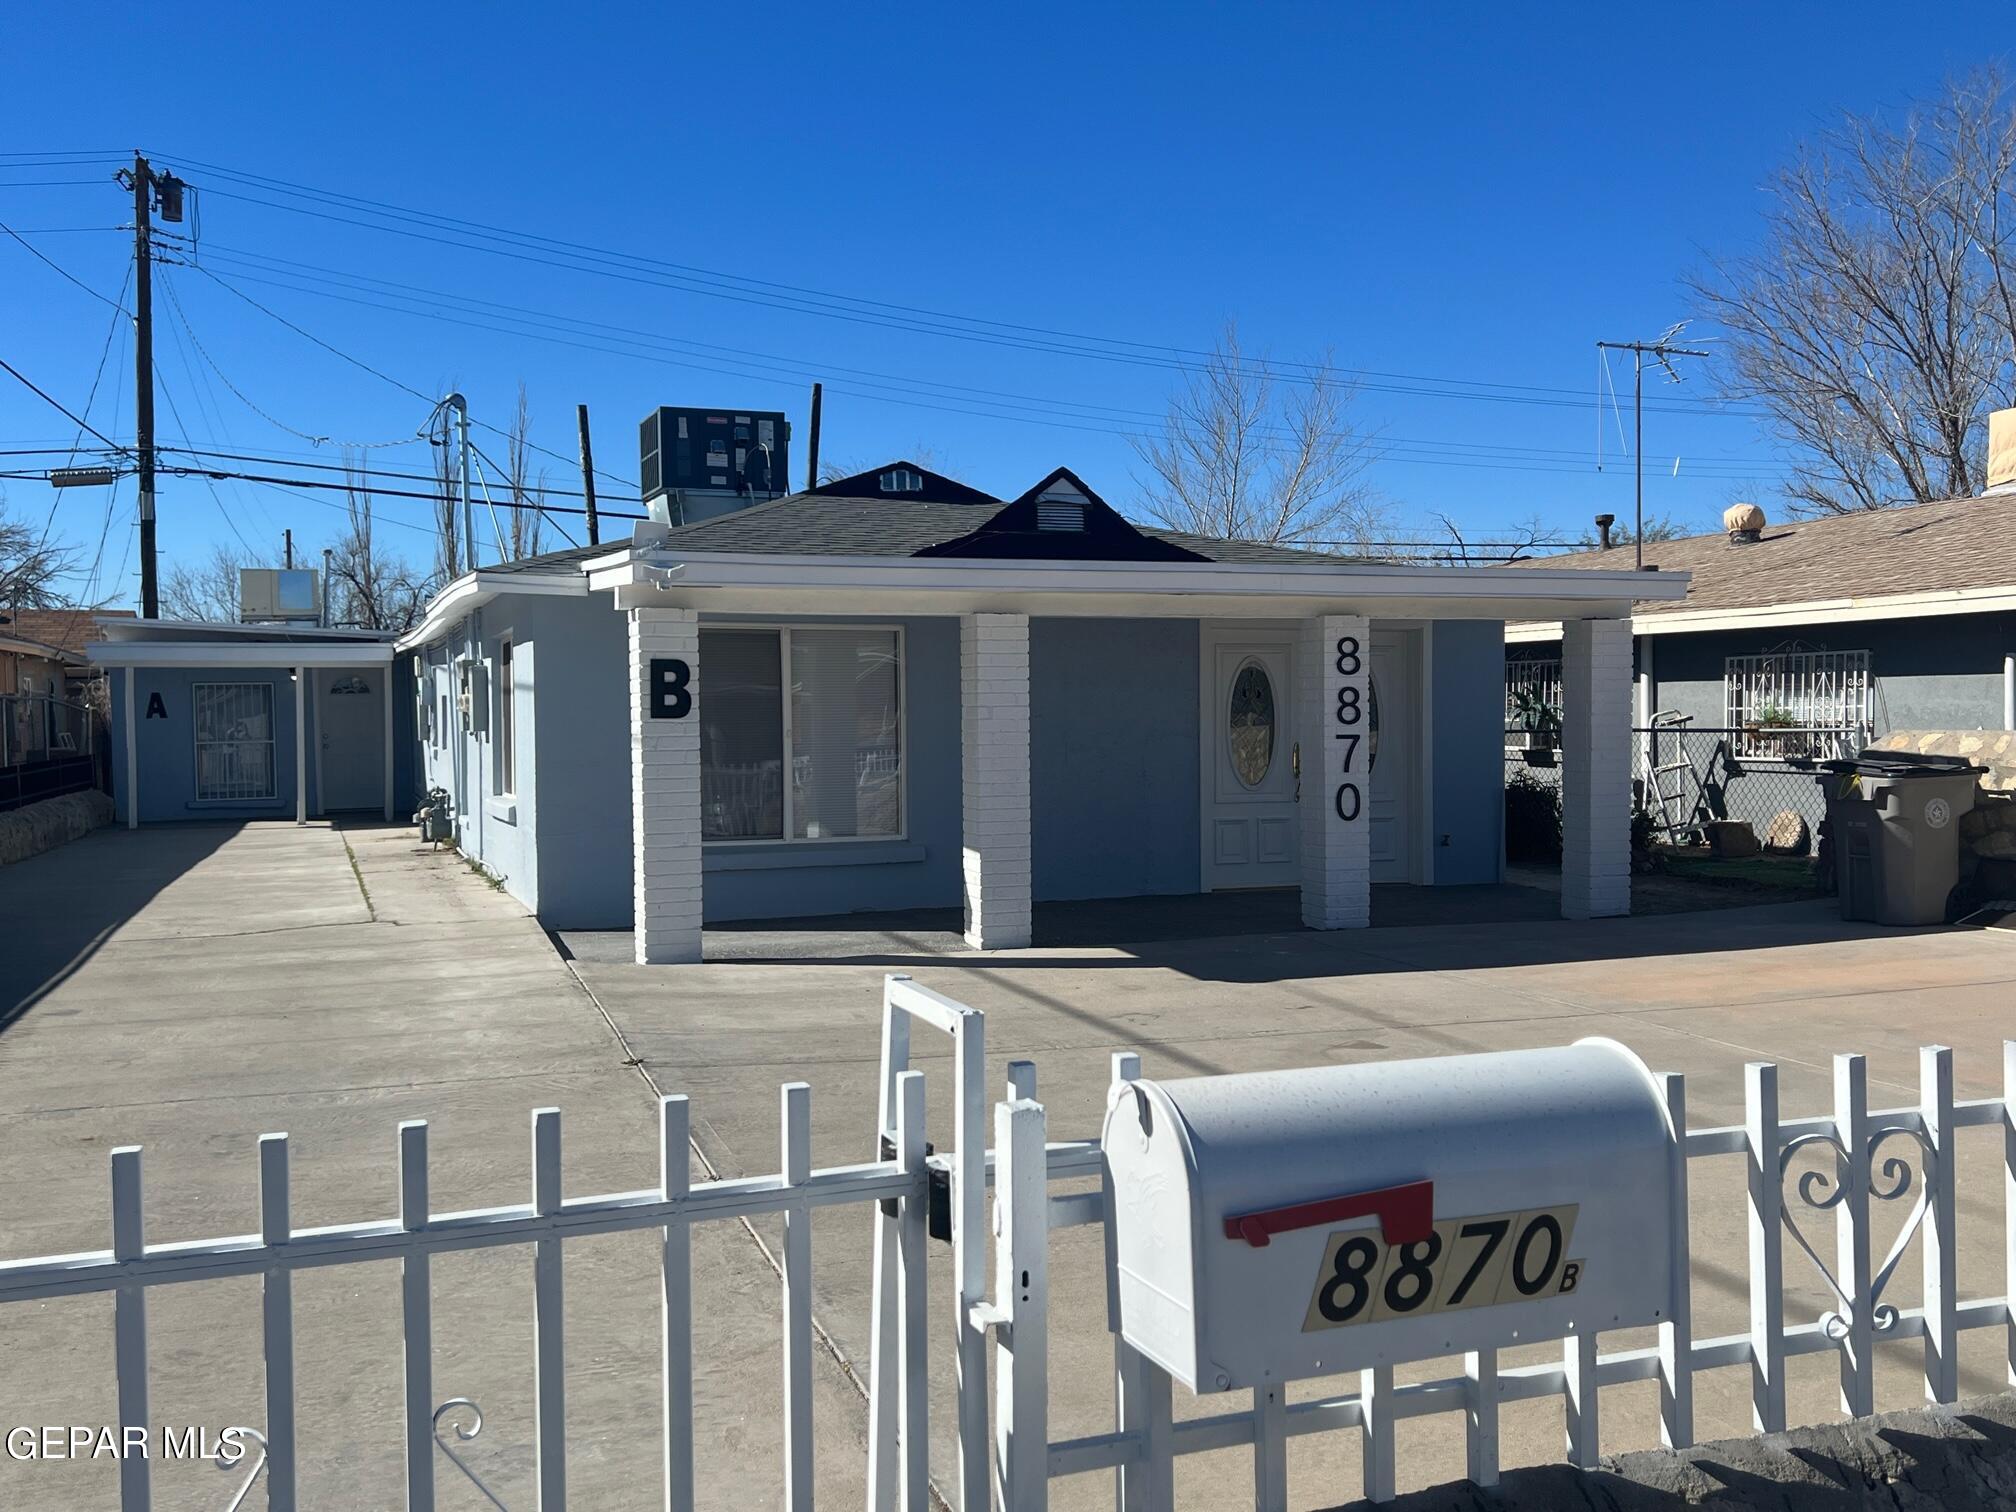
x=30, y=565
x=1878, y=322
x=1252, y=455
x=369, y=588
x=207, y=589
x=1515, y=544
x=528, y=518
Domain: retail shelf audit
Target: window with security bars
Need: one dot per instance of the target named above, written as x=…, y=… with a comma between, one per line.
x=1531, y=684
x=234, y=741
x=801, y=734
x=1798, y=703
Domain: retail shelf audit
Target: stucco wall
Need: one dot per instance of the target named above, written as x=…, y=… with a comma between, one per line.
x=1467, y=779
x=166, y=744
x=1935, y=673
x=1113, y=780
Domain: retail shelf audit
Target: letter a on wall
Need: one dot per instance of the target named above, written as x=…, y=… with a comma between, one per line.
x=156, y=709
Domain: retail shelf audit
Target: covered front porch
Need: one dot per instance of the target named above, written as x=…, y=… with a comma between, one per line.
x=1315, y=745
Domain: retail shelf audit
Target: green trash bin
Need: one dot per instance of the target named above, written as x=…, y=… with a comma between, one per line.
x=1894, y=817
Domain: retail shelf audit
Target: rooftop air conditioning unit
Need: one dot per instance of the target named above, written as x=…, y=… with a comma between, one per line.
x=283, y=595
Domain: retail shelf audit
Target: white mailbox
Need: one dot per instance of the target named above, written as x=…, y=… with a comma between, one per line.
x=1287, y=1224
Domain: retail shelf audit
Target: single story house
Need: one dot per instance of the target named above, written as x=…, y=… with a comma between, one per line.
x=210, y=721
x=897, y=691
x=1806, y=640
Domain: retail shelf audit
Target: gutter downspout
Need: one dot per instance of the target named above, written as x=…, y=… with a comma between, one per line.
x=2009, y=692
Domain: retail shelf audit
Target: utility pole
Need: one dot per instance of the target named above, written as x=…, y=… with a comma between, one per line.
x=143, y=376
x=461, y=407
x=1661, y=352
x=287, y=546
x=812, y=451
x=588, y=475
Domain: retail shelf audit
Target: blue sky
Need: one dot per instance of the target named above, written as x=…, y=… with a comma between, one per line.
x=1471, y=197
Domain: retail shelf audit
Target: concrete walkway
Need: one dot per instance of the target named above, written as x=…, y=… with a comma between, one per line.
x=190, y=988
x=1700, y=993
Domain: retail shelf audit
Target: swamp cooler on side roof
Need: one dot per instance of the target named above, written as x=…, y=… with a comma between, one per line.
x=695, y=464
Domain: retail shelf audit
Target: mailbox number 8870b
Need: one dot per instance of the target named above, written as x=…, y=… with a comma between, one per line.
x=1463, y=1263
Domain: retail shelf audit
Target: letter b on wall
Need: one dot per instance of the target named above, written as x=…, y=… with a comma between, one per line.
x=671, y=695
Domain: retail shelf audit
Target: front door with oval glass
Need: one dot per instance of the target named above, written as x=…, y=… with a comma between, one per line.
x=1247, y=747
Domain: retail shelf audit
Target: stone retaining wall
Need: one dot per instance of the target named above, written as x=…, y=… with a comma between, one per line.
x=38, y=827
x=1960, y=1458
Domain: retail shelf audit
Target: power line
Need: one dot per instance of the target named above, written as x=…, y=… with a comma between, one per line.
x=36, y=252
x=53, y=404
x=632, y=268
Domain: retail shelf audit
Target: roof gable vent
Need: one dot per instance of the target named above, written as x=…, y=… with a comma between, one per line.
x=1060, y=514
x=902, y=480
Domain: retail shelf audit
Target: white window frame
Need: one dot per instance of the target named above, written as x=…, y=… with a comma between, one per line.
x=272, y=742
x=504, y=726
x=783, y=632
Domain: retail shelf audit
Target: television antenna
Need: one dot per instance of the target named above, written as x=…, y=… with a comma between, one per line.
x=1662, y=351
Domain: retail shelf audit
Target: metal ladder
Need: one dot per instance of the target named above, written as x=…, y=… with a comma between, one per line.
x=1678, y=797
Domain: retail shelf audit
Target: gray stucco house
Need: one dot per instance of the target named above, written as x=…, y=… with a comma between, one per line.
x=896, y=691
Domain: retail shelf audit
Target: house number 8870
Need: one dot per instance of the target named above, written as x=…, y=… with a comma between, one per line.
x=1349, y=803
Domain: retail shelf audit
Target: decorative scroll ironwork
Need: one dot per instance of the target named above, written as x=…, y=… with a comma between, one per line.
x=226, y=1463
x=464, y=1433
x=1889, y=1181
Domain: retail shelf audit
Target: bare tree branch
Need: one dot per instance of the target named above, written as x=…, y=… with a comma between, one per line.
x=1244, y=457
x=1877, y=325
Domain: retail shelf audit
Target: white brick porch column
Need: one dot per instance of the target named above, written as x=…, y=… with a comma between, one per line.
x=994, y=778
x=1336, y=810
x=665, y=784
x=1595, y=768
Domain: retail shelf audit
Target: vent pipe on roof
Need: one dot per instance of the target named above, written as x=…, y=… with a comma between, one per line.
x=1603, y=524
x=1744, y=522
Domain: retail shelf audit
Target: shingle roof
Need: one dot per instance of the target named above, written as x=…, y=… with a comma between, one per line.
x=826, y=525
x=1917, y=548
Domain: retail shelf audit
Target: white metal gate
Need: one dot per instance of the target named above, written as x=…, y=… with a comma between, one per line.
x=1876, y=1157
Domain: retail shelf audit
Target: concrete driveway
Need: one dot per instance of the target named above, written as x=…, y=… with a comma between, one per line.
x=1699, y=993
x=190, y=988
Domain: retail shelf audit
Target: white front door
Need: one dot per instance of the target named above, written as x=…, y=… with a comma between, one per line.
x=351, y=715
x=1248, y=734
x=1395, y=758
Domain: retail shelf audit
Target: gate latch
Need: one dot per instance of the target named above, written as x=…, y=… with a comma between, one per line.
x=938, y=1176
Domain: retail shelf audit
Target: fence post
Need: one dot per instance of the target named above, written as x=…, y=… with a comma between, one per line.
x=417, y=1319
x=913, y=1282
x=2009, y=1204
x=129, y=1331
x=675, y=1180
x=969, y=1256
x=1676, y=1334
x=1270, y=1448
x=1767, y=1249
x=277, y=1308
x=1942, y=1358
x=1480, y=1427
x=1851, y=1235
x=1022, y=1291
x=883, y=1360
x=549, y=1358
x=1130, y=1381
x=796, y=1151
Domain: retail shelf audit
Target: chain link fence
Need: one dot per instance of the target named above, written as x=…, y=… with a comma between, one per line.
x=1684, y=777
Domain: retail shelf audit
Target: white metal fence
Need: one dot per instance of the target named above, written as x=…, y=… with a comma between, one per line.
x=1015, y=1465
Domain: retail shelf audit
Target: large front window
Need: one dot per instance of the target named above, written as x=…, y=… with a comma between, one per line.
x=822, y=704
x=234, y=741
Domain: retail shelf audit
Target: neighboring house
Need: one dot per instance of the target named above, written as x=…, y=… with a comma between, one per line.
x=206, y=722
x=1842, y=628
x=896, y=691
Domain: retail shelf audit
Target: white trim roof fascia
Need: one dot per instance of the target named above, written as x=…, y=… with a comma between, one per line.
x=1189, y=579
x=1945, y=601
x=226, y=654
x=165, y=630
x=472, y=590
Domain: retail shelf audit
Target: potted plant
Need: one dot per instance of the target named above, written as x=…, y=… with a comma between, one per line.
x=1772, y=730
x=1539, y=723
